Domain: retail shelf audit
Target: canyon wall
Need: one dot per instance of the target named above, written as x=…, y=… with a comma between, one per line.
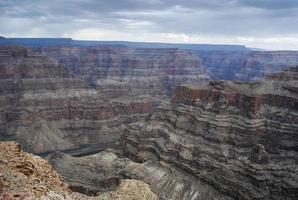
x=121, y=70
x=239, y=138
x=80, y=99
x=216, y=140
x=104, y=171
x=246, y=65
x=45, y=107
x=149, y=74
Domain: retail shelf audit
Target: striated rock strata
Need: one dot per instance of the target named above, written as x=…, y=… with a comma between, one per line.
x=103, y=171
x=45, y=107
x=246, y=65
x=240, y=139
x=131, y=72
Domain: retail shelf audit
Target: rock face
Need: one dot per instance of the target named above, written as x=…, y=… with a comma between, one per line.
x=121, y=70
x=134, y=73
x=103, y=171
x=240, y=139
x=221, y=140
x=45, y=107
x=259, y=155
x=25, y=176
x=246, y=65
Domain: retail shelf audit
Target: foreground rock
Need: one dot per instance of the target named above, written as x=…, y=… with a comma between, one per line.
x=127, y=190
x=238, y=138
x=25, y=176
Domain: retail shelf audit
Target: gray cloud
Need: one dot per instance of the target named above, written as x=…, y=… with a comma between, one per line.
x=262, y=23
x=271, y=4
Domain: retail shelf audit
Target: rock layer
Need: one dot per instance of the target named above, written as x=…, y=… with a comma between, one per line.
x=45, y=107
x=246, y=65
x=131, y=72
x=240, y=139
x=103, y=171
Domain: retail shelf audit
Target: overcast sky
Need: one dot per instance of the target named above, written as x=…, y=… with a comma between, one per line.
x=269, y=24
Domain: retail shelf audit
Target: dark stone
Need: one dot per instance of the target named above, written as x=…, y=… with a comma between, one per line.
x=259, y=155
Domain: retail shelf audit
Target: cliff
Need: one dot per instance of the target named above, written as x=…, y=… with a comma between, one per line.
x=238, y=138
x=246, y=66
x=71, y=42
x=131, y=73
x=222, y=140
x=45, y=107
x=104, y=171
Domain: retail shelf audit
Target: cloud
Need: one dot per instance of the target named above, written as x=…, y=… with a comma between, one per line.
x=261, y=23
x=271, y=4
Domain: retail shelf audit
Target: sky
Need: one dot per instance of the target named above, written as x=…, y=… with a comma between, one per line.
x=267, y=24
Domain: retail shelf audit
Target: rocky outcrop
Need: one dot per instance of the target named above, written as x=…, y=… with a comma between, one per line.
x=246, y=65
x=239, y=138
x=45, y=107
x=25, y=176
x=131, y=72
x=259, y=155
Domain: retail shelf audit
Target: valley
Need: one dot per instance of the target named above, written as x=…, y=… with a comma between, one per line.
x=191, y=123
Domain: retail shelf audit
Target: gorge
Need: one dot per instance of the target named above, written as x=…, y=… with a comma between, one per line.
x=190, y=123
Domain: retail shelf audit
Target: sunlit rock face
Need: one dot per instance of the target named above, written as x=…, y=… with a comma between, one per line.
x=45, y=107
x=131, y=72
x=246, y=65
x=240, y=139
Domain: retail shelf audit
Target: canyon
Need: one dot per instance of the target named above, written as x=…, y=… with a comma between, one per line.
x=223, y=140
x=141, y=73
x=45, y=107
x=188, y=123
x=82, y=100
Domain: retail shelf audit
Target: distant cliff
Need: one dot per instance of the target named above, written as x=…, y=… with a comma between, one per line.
x=135, y=73
x=224, y=62
x=246, y=66
x=71, y=42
